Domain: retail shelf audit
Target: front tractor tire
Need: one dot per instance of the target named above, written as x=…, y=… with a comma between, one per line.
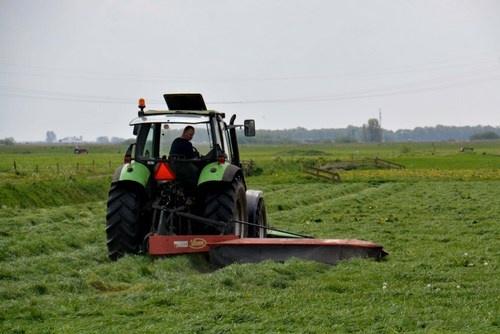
x=123, y=228
x=225, y=202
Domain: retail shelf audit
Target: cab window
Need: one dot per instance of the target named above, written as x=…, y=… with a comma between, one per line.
x=145, y=149
x=227, y=143
x=170, y=131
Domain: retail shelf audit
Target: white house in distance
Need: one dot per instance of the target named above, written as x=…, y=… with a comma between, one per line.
x=71, y=140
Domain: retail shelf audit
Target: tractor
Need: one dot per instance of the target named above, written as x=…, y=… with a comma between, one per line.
x=204, y=192
x=165, y=200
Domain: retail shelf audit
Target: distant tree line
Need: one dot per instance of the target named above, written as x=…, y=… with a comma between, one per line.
x=7, y=141
x=488, y=135
x=372, y=132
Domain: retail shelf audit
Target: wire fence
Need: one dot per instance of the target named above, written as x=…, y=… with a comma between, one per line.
x=25, y=169
x=33, y=169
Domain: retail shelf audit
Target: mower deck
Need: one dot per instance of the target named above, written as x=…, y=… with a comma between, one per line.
x=227, y=249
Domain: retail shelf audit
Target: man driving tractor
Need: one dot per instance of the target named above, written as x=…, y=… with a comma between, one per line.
x=182, y=147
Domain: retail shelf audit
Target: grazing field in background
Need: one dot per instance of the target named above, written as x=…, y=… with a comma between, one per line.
x=438, y=218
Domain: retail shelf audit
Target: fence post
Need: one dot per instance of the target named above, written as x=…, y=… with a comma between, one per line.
x=15, y=167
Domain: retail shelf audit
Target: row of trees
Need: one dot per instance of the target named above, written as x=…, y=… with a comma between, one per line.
x=372, y=132
x=369, y=132
x=7, y=141
x=488, y=135
x=108, y=140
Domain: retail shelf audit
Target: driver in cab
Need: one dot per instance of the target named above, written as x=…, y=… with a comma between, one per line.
x=186, y=172
x=181, y=147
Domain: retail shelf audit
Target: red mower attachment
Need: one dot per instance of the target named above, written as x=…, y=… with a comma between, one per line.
x=279, y=245
x=328, y=251
x=184, y=244
x=227, y=249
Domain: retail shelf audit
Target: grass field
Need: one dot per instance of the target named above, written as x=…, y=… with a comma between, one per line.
x=438, y=219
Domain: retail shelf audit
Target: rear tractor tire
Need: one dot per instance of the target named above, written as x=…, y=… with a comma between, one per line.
x=225, y=202
x=258, y=217
x=123, y=229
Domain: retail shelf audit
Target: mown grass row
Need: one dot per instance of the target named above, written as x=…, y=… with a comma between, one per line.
x=53, y=192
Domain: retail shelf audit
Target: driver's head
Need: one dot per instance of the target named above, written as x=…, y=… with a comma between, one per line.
x=188, y=132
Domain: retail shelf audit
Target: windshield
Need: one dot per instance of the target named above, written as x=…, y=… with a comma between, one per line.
x=161, y=136
x=170, y=131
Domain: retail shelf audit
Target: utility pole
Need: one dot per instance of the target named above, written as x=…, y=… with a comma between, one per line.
x=380, y=123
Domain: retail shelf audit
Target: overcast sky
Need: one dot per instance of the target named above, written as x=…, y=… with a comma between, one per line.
x=78, y=67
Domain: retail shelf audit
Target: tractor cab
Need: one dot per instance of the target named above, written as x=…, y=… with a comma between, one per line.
x=156, y=133
x=212, y=142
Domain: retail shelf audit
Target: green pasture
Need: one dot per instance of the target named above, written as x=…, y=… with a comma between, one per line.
x=39, y=161
x=438, y=218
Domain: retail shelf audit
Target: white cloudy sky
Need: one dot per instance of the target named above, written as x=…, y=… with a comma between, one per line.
x=78, y=67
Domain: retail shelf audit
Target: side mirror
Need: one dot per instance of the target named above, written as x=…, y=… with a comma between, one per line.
x=249, y=126
x=136, y=129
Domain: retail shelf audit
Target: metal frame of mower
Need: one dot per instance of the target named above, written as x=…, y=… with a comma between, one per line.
x=150, y=194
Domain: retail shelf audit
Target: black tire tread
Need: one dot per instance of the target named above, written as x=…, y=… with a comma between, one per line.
x=220, y=202
x=122, y=222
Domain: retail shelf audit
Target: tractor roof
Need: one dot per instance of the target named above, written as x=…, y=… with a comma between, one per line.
x=182, y=112
x=175, y=116
x=183, y=105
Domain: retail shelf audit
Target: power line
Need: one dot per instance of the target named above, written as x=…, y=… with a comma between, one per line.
x=429, y=68
x=411, y=88
x=59, y=96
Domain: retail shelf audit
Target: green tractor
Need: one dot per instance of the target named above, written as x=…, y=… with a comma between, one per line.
x=199, y=192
